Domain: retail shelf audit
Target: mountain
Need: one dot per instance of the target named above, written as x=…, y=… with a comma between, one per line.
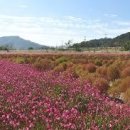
x=17, y=42
x=122, y=39
x=105, y=42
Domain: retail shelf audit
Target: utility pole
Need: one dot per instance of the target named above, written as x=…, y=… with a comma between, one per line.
x=84, y=38
x=106, y=38
x=106, y=35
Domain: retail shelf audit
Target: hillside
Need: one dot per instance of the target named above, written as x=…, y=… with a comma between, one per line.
x=105, y=42
x=17, y=42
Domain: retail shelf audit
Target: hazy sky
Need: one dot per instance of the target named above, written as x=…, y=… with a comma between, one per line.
x=53, y=22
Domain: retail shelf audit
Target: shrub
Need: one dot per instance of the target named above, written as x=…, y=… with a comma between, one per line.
x=109, y=62
x=101, y=84
x=79, y=60
x=98, y=63
x=125, y=72
x=125, y=84
x=43, y=64
x=114, y=88
x=102, y=71
x=127, y=95
x=91, y=68
x=62, y=59
x=20, y=60
x=72, y=71
x=31, y=60
x=113, y=72
x=91, y=77
x=60, y=68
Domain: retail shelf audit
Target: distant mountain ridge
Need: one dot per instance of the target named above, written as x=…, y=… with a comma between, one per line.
x=105, y=42
x=17, y=42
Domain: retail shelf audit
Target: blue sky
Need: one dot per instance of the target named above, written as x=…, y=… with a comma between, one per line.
x=54, y=22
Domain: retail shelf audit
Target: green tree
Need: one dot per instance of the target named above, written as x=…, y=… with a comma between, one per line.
x=77, y=47
x=30, y=48
x=127, y=46
x=68, y=44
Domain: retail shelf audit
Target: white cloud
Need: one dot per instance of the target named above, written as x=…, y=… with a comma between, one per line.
x=54, y=31
x=23, y=6
x=122, y=23
x=111, y=15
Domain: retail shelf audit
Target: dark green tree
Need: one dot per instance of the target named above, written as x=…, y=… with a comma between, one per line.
x=30, y=48
x=127, y=46
x=77, y=48
x=68, y=44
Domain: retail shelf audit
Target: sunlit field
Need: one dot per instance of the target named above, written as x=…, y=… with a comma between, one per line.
x=64, y=91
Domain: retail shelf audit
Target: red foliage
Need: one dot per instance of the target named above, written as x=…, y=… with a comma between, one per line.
x=125, y=72
x=91, y=68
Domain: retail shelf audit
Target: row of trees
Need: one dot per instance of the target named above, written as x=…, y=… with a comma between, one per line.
x=78, y=47
x=10, y=47
x=68, y=46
